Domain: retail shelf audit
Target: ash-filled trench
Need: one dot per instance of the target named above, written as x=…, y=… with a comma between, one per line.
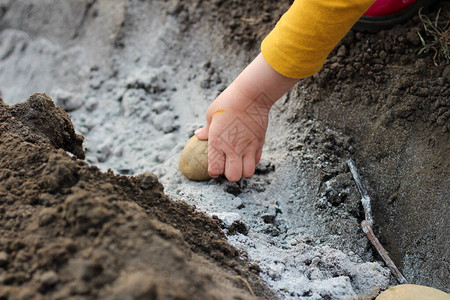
x=136, y=78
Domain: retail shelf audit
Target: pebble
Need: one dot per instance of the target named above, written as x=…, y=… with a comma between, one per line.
x=270, y=215
x=67, y=100
x=48, y=279
x=91, y=104
x=232, y=188
x=228, y=218
x=342, y=51
x=238, y=227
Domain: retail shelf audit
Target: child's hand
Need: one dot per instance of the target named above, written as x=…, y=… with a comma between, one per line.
x=235, y=129
x=237, y=120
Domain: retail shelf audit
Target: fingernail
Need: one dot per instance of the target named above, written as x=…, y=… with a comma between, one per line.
x=198, y=131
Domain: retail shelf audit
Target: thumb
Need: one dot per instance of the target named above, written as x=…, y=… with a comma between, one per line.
x=202, y=133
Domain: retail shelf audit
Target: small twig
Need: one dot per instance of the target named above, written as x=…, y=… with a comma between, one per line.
x=373, y=239
x=249, y=20
x=365, y=199
x=366, y=225
x=247, y=284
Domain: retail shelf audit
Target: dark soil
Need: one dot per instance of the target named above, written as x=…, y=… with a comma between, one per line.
x=69, y=230
x=245, y=23
x=390, y=109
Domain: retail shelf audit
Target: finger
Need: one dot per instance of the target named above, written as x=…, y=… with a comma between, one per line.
x=233, y=167
x=210, y=112
x=202, y=133
x=258, y=156
x=216, y=161
x=248, y=165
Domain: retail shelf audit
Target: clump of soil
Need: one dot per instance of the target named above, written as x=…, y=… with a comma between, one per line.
x=52, y=123
x=69, y=230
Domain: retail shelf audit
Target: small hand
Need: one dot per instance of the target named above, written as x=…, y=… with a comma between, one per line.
x=235, y=129
x=236, y=122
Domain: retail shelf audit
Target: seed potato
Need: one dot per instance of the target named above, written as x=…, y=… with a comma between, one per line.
x=193, y=161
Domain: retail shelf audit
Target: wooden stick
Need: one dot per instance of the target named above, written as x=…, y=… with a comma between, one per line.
x=367, y=228
x=247, y=284
x=366, y=225
x=365, y=199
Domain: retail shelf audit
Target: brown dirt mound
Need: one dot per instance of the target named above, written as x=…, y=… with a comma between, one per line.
x=69, y=230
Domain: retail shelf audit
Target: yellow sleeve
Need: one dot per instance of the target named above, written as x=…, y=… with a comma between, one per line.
x=304, y=36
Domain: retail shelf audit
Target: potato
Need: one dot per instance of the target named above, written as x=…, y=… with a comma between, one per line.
x=193, y=161
x=412, y=292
